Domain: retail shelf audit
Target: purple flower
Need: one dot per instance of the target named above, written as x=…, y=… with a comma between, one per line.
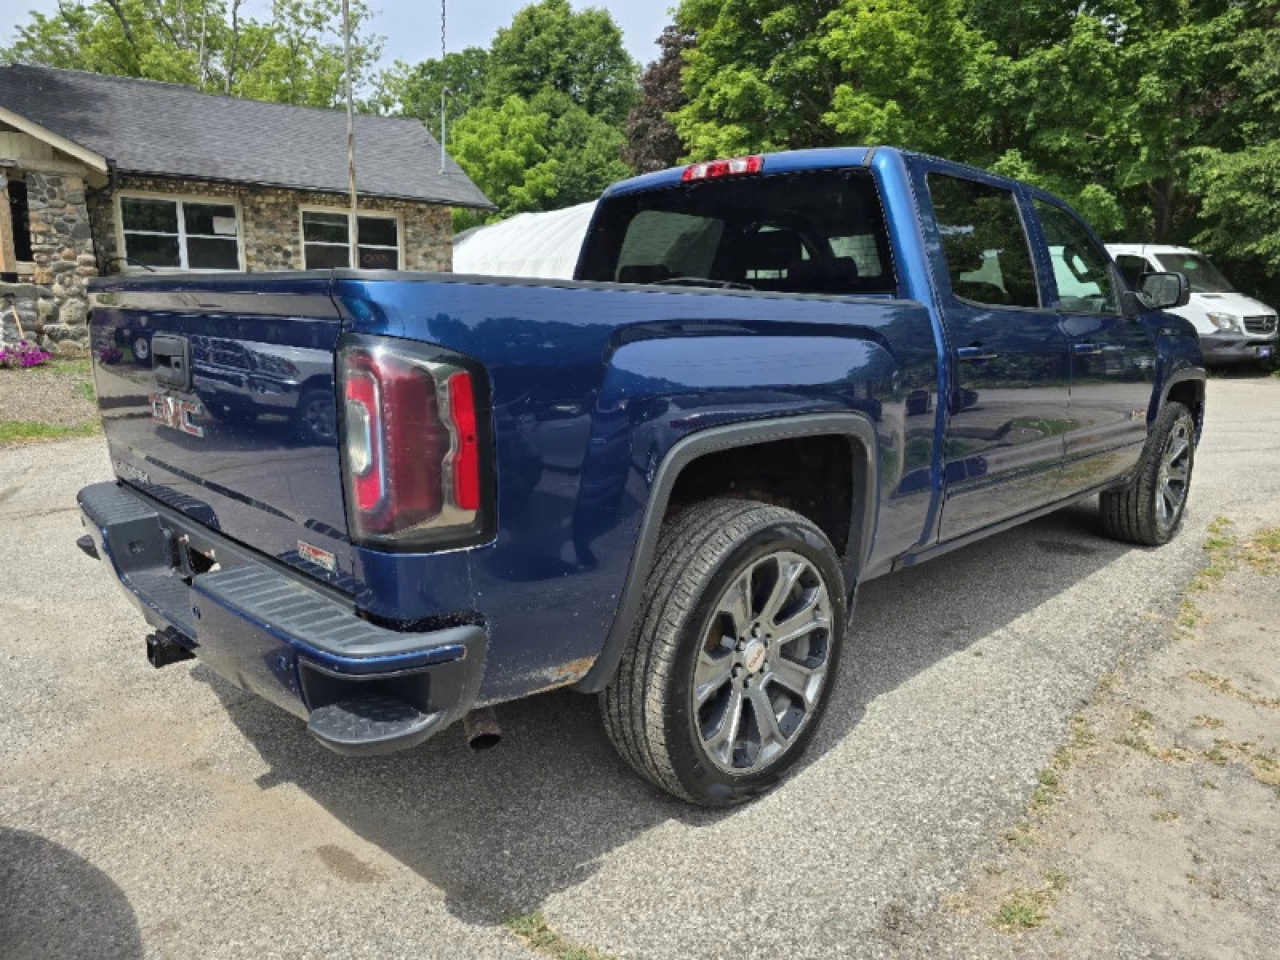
x=22, y=356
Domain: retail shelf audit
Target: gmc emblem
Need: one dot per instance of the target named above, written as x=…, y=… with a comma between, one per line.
x=176, y=414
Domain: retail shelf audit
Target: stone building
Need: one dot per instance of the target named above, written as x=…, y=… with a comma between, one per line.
x=104, y=174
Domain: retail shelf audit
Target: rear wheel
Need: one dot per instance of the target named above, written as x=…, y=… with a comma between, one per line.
x=733, y=653
x=314, y=418
x=1149, y=510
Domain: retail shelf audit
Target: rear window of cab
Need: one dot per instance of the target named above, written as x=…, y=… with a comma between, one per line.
x=814, y=232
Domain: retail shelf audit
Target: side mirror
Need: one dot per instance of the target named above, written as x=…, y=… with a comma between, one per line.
x=1164, y=291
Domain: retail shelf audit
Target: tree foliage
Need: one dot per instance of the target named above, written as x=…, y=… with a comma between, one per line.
x=580, y=55
x=293, y=56
x=537, y=119
x=415, y=89
x=1158, y=119
x=652, y=140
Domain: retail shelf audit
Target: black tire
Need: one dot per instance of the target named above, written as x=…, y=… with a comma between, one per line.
x=314, y=418
x=648, y=708
x=1134, y=513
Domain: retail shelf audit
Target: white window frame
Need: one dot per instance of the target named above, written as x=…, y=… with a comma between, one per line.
x=179, y=199
x=346, y=212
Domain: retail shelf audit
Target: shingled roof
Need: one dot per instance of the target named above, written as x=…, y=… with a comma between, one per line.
x=170, y=130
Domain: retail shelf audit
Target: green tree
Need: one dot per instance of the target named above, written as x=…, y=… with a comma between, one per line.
x=503, y=149
x=292, y=56
x=414, y=90
x=549, y=46
x=586, y=149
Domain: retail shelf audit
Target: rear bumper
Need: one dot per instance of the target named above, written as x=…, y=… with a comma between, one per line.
x=364, y=689
x=1236, y=347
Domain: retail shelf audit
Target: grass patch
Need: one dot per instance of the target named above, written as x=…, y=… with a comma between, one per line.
x=534, y=932
x=1225, y=687
x=1164, y=816
x=1189, y=615
x=1206, y=722
x=1020, y=837
x=1080, y=733
x=1048, y=787
x=1107, y=683
x=1219, y=545
x=1028, y=909
x=85, y=389
x=1136, y=741
x=69, y=365
x=1262, y=551
x=25, y=431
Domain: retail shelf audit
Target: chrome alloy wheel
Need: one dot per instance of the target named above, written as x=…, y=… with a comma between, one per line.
x=763, y=662
x=1175, y=474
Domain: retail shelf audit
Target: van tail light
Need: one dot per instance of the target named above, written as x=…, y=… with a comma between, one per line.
x=416, y=445
x=714, y=169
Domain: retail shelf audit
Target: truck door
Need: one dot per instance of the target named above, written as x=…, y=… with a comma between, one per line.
x=1112, y=355
x=1007, y=409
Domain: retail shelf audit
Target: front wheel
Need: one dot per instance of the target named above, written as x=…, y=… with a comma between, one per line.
x=733, y=654
x=1149, y=509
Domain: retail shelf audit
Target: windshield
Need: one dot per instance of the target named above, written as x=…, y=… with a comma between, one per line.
x=814, y=232
x=1203, y=276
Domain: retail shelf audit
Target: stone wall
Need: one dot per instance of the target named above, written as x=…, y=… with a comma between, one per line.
x=54, y=306
x=271, y=221
x=75, y=236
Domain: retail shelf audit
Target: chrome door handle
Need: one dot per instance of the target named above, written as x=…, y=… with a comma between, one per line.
x=976, y=353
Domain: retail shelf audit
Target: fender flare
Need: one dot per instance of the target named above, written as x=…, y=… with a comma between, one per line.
x=855, y=427
x=1182, y=375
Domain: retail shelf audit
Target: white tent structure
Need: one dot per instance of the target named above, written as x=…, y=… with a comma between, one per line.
x=527, y=245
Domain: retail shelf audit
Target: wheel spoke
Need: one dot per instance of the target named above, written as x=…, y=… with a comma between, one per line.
x=794, y=677
x=1177, y=447
x=721, y=742
x=712, y=674
x=1177, y=473
x=736, y=603
x=782, y=587
x=801, y=624
x=766, y=719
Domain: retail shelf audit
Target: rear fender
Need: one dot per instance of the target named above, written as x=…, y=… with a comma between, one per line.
x=666, y=403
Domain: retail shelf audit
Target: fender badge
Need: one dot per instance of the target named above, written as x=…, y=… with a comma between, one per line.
x=321, y=558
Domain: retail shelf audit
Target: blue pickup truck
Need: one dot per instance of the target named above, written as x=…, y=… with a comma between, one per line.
x=774, y=378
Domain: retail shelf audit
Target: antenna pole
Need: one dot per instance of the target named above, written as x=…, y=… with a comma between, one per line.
x=353, y=228
x=443, y=89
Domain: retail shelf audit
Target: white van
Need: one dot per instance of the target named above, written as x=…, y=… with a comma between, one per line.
x=1232, y=327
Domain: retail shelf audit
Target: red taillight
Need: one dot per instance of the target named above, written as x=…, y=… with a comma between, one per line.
x=466, y=452
x=411, y=445
x=733, y=167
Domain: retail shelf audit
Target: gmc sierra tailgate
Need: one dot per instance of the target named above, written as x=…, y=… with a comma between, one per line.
x=217, y=397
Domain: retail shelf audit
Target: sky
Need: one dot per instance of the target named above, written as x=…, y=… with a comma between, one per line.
x=412, y=27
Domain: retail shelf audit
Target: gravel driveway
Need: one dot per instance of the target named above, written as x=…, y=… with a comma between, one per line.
x=166, y=814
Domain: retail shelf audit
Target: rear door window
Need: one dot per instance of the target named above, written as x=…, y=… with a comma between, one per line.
x=983, y=241
x=818, y=232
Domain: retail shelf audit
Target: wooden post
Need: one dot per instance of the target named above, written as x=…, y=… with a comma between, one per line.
x=8, y=259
